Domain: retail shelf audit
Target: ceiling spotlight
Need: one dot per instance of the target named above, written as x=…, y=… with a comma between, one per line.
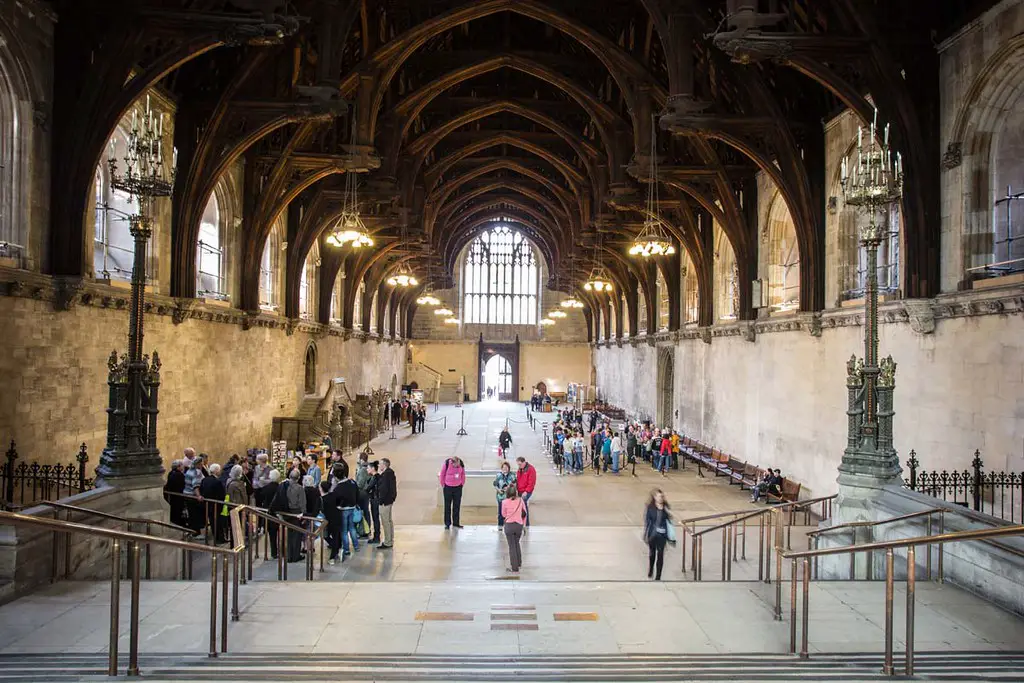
x=557, y=314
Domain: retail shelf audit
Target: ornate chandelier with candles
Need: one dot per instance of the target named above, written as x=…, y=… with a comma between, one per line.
x=652, y=240
x=598, y=280
x=350, y=230
x=403, y=278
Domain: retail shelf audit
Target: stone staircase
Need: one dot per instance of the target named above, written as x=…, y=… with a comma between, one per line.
x=284, y=666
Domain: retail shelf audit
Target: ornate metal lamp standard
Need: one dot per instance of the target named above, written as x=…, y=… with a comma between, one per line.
x=871, y=184
x=131, y=457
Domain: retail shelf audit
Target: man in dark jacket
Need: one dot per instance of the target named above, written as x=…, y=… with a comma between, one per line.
x=213, y=490
x=373, y=501
x=504, y=442
x=332, y=513
x=387, y=493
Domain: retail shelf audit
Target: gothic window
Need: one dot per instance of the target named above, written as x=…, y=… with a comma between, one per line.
x=12, y=164
x=338, y=299
x=357, y=307
x=625, y=315
x=1007, y=252
x=783, y=273
x=500, y=279
x=307, y=284
x=270, y=268
x=210, y=281
x=726, y=277
x=641, y=310
x=691, y=297
x=113, y=244
x=664, y=302
x=851, y=223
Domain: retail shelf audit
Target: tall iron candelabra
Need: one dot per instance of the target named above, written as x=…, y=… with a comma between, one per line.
x=131, y=457
x=871, y=184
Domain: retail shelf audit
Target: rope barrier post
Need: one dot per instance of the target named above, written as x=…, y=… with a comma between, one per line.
x=462, y=425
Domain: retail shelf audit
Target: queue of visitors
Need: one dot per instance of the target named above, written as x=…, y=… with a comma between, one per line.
x=200, y=495
x=612, y=449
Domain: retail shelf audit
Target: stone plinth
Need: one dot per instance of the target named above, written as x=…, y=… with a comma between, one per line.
x=478, y=491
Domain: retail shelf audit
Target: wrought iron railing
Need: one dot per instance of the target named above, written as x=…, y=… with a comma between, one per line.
x=999, y=494
x=23, y=483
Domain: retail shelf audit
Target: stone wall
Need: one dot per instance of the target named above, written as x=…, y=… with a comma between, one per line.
x=781, y=399
x=221, y=384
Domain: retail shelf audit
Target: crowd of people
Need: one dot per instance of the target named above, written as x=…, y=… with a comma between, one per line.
x=353, y=507
x=600, y=446
x=406, y=410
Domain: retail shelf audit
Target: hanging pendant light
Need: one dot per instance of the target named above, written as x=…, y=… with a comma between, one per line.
x=557, y=313
x=547, y=322
x=572, y=302
x=652, y=240
x=428, y=300
x=350, y=230
x=403, y=278
x=451, y=321
x=444, y=311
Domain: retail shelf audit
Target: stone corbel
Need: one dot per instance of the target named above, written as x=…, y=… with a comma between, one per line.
x=290, y=326
x=920, y=314
x=812, y=321
x=183, y=309
x=954, y=156
x=65, y=292
x=250, y=320
x=705, y=334
x=749, y=331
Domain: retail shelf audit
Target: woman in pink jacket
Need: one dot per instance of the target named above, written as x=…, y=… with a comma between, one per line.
x=452, y=477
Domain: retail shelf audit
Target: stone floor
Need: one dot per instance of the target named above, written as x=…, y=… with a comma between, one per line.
x=501, y=618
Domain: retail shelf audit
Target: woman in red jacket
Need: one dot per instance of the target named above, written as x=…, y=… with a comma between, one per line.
x=526, y=481
x=666, y=452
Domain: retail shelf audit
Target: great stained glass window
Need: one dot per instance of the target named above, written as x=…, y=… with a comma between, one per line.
x=500, y=279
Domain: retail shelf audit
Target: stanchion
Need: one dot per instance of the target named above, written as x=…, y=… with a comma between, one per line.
x=392, y=431
x=462, y=425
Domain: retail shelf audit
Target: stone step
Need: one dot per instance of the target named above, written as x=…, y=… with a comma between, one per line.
x=933, y=666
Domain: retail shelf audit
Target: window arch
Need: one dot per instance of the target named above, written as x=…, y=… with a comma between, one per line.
x=210, y=280
x=691, y=293
x=338, y=299
x=727, y=277
x=307, y=284
x=113, y=244
x=13, y=160
x=783, y=272
x=664, y=301
x=270, y=267
x=624, y=303
x=1007, y=243
x=500, y=279
x=641, y=310
x=357, y=306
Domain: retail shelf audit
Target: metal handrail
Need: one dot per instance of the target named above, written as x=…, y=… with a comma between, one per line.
x=134, y=542
x=805, y=556
x=309, y=535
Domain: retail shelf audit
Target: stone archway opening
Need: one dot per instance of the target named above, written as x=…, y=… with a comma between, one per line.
x=664, y=389
x=310, y=370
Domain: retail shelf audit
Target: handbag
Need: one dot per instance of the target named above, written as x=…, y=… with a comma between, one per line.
x=357, y=516
x=670, y=531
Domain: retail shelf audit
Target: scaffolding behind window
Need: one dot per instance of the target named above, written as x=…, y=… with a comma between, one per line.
x=888, y=270
x=113, y=244
x=210, y=254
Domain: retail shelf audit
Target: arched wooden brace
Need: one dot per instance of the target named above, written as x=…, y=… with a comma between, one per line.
x=573, y=177
x=358, y=272
x=92, y=91
x=605, y=118
x=588, y=317
x=669, y=266
x=439, y=196
x=494, y=207
x=387, y=60
x=904, y=102
x=446, y=212
x=632, y=295
x=205, y=152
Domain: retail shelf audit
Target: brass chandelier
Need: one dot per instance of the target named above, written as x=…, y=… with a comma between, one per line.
x=598, y=280
x=652, y=240
x=350, y=230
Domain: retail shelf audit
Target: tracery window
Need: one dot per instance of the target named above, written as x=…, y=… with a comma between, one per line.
x=113, y=244
x=357, y=306
x=12, y=168
x=852, y=222
x=641, y=310
x=210, y=280
x=500, y=279
x=691, y=294
x=307, y=285
x=664, y=302
x=783, y=258
x=270, y=268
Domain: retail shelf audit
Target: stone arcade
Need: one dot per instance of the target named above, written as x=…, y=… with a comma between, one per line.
x=733, y=218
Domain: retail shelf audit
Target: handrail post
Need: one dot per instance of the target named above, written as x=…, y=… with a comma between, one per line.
x=280, y=552
x=725, y=550
x=887, y=667
x=213, y=606
x=942, y=530
x=224, y=606
x=234, y=584
x=115, y=604
x=792, y=606
x=778, y=584
x=760, y=548
x=149, y=555
x=133, y=637
x=911, y=587
x=806, y=607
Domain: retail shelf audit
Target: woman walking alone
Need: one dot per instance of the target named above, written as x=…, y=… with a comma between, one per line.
x=513, y=509
x=452, y=476
x=657, y=532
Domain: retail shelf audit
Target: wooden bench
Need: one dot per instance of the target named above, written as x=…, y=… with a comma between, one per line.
x=752, y=474
x=735, y=469
x=790, y=493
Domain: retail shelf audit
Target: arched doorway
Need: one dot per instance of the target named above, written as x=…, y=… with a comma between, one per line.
x=394, y=386
x=497, y=378
x=664, y=388
x=310, y=383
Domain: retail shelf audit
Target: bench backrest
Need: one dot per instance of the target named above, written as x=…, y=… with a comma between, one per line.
x=790, y=489
x=736, y=465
